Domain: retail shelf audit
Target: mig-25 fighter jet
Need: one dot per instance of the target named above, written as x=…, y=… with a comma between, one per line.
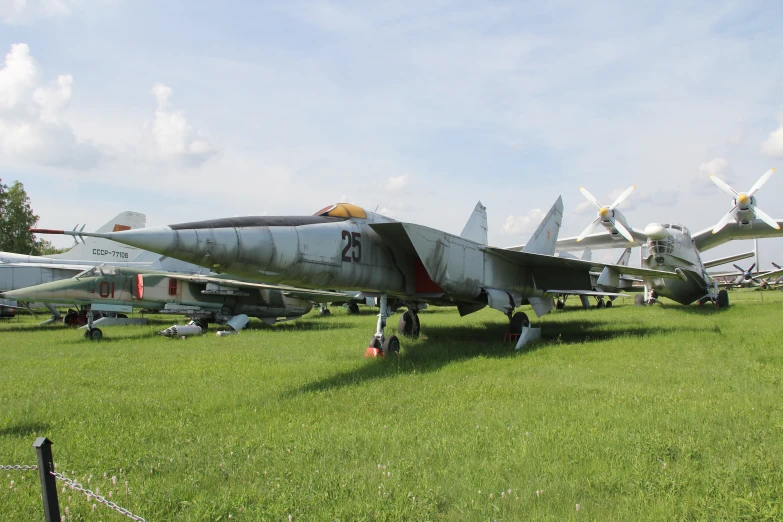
x=344, y=246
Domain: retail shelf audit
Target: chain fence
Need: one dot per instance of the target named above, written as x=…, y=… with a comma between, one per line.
x=72, y=484
x=18, y=468
x=94, y=496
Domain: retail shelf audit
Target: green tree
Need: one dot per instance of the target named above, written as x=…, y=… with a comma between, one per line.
x=16, y=219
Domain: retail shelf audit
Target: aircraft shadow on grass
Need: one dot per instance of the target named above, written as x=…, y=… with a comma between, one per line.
x=27, y=429
x=453, y=344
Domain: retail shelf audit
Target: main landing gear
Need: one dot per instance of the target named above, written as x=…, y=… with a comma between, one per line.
x=721, y=300
x=650, y=297
x=409, y=325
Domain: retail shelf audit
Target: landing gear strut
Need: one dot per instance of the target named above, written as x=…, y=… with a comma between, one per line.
x=93, y=334
x=380, y=345
x=324, y=310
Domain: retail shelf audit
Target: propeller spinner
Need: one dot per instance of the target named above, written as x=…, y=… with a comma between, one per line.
x=606, y=215
x=743, y=202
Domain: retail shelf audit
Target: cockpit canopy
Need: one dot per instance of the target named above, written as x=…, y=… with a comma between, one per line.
x=677, y=227
x=100, y=270
x=345, y=210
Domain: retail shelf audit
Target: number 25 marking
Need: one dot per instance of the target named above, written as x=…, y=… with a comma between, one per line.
x=353, y=244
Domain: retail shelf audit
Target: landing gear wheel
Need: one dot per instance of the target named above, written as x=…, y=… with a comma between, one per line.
x=93, y=334
x=409, y=324
x=122, y=316
x=609, y=304
x=391, y=345
x=723, y=299
x=638, y=300
x=559, y=304
x=519, y=321
x=375, y=343
x=70, y=318
x=325, y=312
x=203, y=324
x=600, y=304
x=353, y=308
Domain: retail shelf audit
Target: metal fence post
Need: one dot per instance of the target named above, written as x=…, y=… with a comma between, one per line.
x=43, y=448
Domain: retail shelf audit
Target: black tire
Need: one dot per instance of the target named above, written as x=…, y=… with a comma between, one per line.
x=600, y=304
x=94, y=334
x=638, y=300
x=122, y=316
x=375, y=343
x=723, y=299
x=391, y=345
x=559, y=304
x=325, y=312
x=519, y=321
x=609, y=304
x=70, y=318
x=416, y=324
x=353, y=308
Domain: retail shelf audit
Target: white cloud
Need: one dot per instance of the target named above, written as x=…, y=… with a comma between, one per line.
x=773, y=146
x=397, y=183
x=23, y=11
x=516, y=225
x=173, y=136
x=33, y=128
x=718, y=167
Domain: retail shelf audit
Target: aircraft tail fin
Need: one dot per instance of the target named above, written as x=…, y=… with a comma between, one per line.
x=587, y=255
x=100, y=250
x=624, y=258
x=476, y=227
x=544, y=238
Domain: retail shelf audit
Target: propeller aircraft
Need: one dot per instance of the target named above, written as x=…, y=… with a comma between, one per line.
x=672, y=248
x=401, y=264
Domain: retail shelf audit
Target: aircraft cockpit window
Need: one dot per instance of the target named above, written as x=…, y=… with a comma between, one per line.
x=345, y=210
x=99, y=271
x=90, y=272
x=677, y=227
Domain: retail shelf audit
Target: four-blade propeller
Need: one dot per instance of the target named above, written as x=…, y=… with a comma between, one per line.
x=606, y=215
x=743, y=201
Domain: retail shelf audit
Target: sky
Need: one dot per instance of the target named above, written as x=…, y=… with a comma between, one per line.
x=197, y=110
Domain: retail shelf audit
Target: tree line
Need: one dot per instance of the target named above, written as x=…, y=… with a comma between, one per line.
x=16, y=220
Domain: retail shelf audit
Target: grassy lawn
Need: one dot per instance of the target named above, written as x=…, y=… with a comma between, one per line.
x=631, y=413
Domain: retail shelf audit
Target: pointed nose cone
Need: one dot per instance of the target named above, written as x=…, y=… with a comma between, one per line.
x=743, y=199
x=162, y=240
x=39, y=293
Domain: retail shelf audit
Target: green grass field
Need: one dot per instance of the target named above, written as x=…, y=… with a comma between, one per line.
x=655, y=413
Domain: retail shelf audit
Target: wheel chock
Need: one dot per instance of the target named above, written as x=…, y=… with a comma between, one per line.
x=373, y=352
x=529, y=334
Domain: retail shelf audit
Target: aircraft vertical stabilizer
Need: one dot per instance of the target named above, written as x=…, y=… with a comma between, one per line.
x=476, y=227
x=625, y=258
x=545, y=237
x=100, y=249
